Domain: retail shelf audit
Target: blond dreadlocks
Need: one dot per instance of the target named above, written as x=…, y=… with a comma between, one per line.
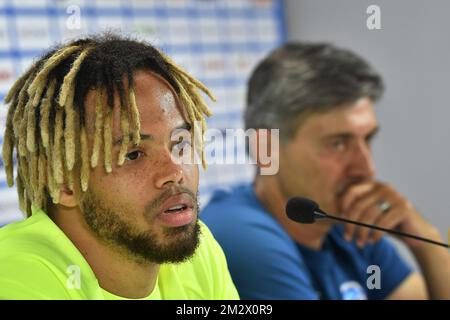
x=46, y=124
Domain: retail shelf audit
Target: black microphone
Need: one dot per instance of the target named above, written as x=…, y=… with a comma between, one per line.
x=306, y=211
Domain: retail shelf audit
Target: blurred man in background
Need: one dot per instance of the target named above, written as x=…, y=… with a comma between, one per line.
x=322, y=100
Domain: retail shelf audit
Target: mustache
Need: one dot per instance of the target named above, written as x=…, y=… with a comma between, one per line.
x=159, y=200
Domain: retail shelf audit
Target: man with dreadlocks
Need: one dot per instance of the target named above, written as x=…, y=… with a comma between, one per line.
x=110, y=214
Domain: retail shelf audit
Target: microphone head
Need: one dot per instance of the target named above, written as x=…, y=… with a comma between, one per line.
x=302, y=210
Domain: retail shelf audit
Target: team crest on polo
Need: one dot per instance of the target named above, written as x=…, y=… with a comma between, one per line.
x=352, y=290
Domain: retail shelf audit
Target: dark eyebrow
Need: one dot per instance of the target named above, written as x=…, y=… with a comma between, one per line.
x=348, y=135
x=372, y=134
x=143, y=137
x=343, y=135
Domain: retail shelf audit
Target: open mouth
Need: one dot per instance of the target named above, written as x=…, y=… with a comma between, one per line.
x=177, y=211
x=177, y=208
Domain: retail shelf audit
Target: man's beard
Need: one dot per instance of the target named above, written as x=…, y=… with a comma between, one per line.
x=176, y=245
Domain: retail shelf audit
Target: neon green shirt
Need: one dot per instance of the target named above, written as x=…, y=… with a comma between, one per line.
x=38, y=261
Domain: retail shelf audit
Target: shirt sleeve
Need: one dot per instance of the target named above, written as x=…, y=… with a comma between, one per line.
x=391, y=266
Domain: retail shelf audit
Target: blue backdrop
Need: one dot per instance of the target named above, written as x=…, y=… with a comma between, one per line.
x=217, y=41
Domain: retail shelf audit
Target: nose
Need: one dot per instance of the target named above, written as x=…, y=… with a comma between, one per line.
x=362, y=164
x=167, y=171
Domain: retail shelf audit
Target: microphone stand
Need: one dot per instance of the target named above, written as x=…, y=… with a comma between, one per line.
x=399, y=233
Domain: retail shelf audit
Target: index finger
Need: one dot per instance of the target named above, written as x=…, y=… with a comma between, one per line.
x=353, y=193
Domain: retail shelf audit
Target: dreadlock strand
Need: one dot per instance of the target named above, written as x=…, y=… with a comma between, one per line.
x=21, y=193
x=33, y=171
x=57, y=152
x=197, y=133
x=124, y=120
x=45, y=113
x=68, y=82
x=7, y=154
x=200, y=103
x=124, y=127
x=186, y=100
x=19, y=112
x=98, y=128
x=193, y=102
x=78, y=126
x=187, y=103
x=51, y=184
x=195, y=83
x=37, y=199
x=7, y=150
x=84, y=160
x=39, y=196
x=191, y=87
x=187, y=83
x=66, y=99
x=198, y=145
x=195, y=108
x=135, y=119
x=20, y=83
x=107, y=143
x=31, y=129
x=176, y=69
x=37, y=86
x=23, y=188
x=69, y=131
x=22, y=135
x=70, y=180
x=16, y=88
x=28, y=204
